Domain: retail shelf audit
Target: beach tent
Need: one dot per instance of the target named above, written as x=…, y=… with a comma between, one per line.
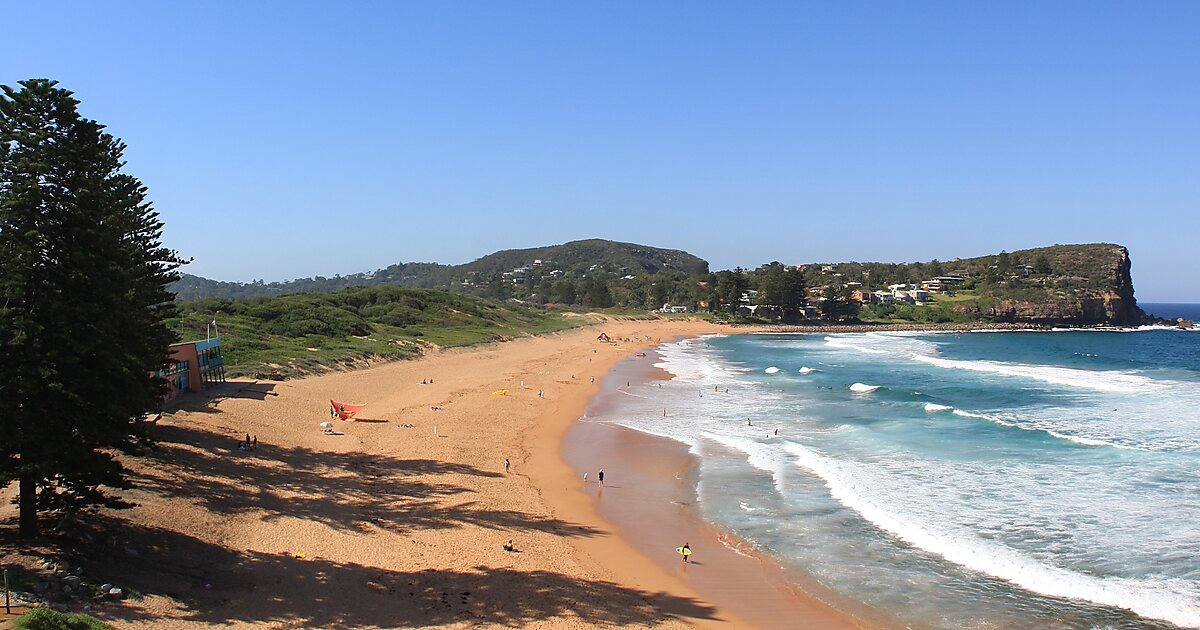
x=344, y=411
x=603, y=337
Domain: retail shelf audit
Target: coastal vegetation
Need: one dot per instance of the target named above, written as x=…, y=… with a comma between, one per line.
x=50, y=619
x=562, y=271
x=1061, y=283
x=278, y=337
x=82, y=300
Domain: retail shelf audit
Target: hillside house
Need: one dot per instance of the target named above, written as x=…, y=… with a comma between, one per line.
x=941, y=284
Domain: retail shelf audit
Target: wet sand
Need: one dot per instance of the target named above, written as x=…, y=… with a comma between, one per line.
x=649, y=495
x=398, y=521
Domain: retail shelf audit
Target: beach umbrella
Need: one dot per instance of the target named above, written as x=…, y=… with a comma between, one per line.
x=326, y=425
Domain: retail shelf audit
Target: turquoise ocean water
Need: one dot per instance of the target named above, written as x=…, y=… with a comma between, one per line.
x=953, y=480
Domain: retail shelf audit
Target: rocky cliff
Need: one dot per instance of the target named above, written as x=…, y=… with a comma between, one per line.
x=1087, y=285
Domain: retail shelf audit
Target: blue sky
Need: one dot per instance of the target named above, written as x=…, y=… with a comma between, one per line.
x=282, y=140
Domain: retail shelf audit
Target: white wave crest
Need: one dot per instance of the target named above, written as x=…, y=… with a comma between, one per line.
x=1107, y=381
x=1078, y=439
x=761, y=456
x=935, y=408
x=772, y=370
x=806, y=370
x=853, y=343
x=896, y=343
x=690, y=360
x=862, y=388
x=853, y=486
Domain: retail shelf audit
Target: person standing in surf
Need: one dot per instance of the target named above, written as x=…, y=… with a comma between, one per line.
x=600, y=476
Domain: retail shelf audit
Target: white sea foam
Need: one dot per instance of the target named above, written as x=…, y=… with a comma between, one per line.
x=857, y=488
x=689, y=360
x=1085, y=440
x=935, y=408
x=854, y=343
x=862, y=388
x=764, y=457
x=1107, y=381
x=747, y=508
x=806, y=370
x=899, y=344
x=1078, y=439
x=772, y=370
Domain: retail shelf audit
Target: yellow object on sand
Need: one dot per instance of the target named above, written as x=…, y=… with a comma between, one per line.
x=500, y=392
x=300, y=555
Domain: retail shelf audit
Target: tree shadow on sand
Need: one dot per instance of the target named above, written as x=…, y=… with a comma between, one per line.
x=206, y=400
x=221, y=586
x=352, y=491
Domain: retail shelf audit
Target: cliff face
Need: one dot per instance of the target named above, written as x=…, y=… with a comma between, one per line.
x=1113, y=305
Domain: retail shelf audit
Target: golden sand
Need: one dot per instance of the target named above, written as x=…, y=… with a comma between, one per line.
x=385, y=525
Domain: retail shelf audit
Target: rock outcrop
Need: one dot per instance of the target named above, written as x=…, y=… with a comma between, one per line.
x=1107, y=298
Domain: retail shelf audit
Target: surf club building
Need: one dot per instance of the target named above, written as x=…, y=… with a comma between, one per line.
x=191, y=367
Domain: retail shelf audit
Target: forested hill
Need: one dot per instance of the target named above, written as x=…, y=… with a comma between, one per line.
x=567, y=261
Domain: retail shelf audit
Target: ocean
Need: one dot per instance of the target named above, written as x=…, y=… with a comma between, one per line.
x=1173, y=311
x=952, y=480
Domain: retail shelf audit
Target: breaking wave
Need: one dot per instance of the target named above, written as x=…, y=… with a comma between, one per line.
x=856, y=488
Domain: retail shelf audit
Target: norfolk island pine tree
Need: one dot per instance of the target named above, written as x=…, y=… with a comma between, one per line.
x=83, y=277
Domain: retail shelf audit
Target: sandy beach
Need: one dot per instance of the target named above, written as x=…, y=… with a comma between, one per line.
x=391, y=525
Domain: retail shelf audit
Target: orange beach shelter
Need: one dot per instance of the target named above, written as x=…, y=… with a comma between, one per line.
x=345, y=411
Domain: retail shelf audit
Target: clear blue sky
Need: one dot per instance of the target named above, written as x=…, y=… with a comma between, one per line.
x=290, y=139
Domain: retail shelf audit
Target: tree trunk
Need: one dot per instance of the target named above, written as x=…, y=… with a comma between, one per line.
x=28, y=527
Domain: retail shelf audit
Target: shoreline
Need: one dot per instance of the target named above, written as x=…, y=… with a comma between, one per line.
x=395, y=521
x=905, y=327
x=651, y=499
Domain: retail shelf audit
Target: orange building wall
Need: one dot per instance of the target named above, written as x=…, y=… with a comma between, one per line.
x=187, y=352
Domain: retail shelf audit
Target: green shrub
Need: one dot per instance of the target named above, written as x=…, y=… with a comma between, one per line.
x=49, y=619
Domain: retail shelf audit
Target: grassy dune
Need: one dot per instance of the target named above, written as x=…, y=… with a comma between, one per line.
x=307, y=333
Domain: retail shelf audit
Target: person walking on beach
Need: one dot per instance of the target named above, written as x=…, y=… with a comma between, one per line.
x=506, y=465
x=685, y=551
x=585, y=476
x=600, y=476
